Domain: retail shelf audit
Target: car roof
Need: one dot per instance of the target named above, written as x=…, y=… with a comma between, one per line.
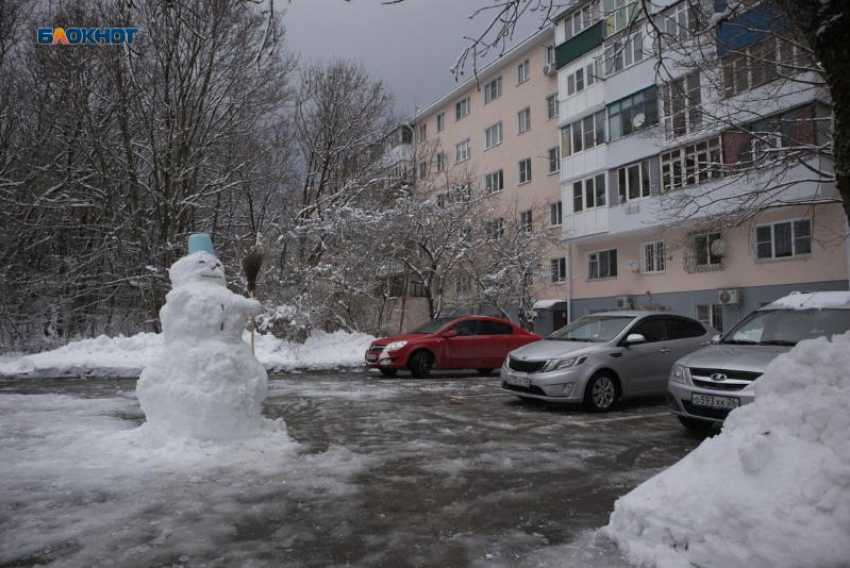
x=635, y=313
x=811, y=301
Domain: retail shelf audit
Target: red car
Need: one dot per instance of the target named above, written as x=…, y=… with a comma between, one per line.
x=470, y=342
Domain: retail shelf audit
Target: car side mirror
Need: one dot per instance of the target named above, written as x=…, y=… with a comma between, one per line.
x=449, y=334
x=715, y=339
x=634, y=339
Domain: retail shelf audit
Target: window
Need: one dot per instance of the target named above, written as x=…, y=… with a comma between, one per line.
x=462, y=108
x=441, y=161
x=589, y=193
x=423, y=169
x=758, y=64
x=633, y=113
x=525, y=170
x=495, y=229
x=583, y=134
x=552, y=110
x=441, y=201
x=690, y=165
x=558, y=267
x=710, y=315
x=489, y=327
x=652, y=329
x=765, y=144
x=784, y=239
x=494, y=182
x=525, y=224
x=681, y=20
x=602, y=264
x=523, y=120
x=682, y=105
x=705, y=250
x=462, y=151
x=582, y=19
x=633, y=181
x=550, y=54
x=619, y=15
x=441, y=122
x=523, y=72
x=554, y=160
x=463, y=283
x=581, y=78
x=623, y=53
x=493, y=90
x=462, y=194
x=654, y=259
x=493, y=135
x=423, y=132
x=683, y=328
x=466, y=328
x=556, y=214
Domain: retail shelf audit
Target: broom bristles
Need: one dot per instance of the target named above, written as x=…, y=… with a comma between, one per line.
x=251, y=265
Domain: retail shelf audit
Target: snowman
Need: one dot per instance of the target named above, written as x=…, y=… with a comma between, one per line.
x=207, y=384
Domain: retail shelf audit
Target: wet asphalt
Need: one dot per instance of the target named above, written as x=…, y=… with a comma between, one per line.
x=459, y=473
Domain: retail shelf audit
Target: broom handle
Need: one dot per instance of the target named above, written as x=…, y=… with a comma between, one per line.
x=251, y=295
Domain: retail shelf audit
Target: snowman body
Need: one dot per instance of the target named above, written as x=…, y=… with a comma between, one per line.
x=207, y=384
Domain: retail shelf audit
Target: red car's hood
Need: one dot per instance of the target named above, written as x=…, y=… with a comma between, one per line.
x=407, y=337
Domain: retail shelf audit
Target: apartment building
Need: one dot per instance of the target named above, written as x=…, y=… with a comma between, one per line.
x=496, y=135
x=646, y=177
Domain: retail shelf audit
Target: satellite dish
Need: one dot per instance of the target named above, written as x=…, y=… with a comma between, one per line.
x=638, y=120
x=718, y=247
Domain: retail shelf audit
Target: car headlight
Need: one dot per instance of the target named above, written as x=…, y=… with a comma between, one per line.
x=555, y=364
x=677, y=374
x=395, y=345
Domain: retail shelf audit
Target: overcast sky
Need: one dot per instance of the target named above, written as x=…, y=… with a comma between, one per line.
x=410, y=45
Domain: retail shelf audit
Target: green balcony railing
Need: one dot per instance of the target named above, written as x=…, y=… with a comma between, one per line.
x=578, y=45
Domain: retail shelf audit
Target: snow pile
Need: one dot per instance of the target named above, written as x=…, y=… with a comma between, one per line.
x=814, y=300
x=126, y=356
x=771, y=490
x=206, y=383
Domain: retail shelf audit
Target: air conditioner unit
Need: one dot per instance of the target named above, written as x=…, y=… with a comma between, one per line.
x=730, y=297
x=547, y=70
x=624, y=303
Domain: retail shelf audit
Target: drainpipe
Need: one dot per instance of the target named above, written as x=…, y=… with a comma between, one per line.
x=570, y=281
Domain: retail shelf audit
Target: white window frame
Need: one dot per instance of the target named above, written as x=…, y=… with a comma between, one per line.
x=525, y=173
x=644, y=181
x=440, y=159
x=523, y=72
x=423, y=169
x=556, y=214
x=620, y=54
x=526, y=221
x=712, y=317
x=794, y=238
x=709, y=237
x=596, y=256
x=676, y=164
x=441, y=121
x=523, y=120
x=681, y=105
x=554, y=159
x=590, y=184
x=423, y=132
x=493, y=135
x=463, y=151
x=558, y=270
x=462, y=108
x=494, y=182
x=653, y=254
x=493, y=90
x=553, y=109
x=495, y=229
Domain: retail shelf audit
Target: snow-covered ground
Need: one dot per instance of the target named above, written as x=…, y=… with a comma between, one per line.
x=127, y=356
x=771, y=491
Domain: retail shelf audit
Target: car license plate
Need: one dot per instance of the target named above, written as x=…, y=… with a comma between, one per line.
x=715, y=401
x=371, y=357
x=519, y=381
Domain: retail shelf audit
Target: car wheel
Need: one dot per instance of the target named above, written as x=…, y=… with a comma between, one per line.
x=696, y=425
x=484, y=372
x=421, y=364
x=389, y=372
x=600, y=394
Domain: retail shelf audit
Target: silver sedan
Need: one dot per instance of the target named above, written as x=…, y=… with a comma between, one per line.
x=604, y=357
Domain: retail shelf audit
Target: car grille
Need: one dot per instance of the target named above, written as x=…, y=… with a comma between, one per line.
x=696, y=410
x=533, y=389
x=734, y=381
x=526, y=366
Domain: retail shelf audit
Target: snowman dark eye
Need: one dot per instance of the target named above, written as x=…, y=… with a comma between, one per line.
x=202, y=262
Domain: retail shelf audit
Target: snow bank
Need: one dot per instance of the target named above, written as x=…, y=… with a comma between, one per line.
x=771, y=490
x=126, y=356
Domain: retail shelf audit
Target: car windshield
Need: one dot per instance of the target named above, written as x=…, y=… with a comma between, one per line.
x=787, y=327
x=432, y=326
x=596, y=329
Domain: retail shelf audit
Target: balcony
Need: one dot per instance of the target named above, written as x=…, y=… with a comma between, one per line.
x=578, y=45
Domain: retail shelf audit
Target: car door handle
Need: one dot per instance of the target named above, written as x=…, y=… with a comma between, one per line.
x=664, y=350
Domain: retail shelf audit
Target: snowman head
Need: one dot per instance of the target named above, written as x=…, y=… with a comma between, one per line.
x=200, y=267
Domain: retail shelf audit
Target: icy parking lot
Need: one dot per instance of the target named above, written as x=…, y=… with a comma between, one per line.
x=447, y=471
